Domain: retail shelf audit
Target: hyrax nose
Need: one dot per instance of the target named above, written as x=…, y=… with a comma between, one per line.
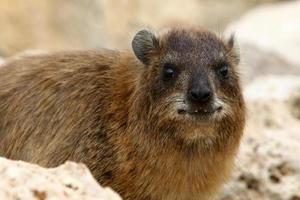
x=200, y=95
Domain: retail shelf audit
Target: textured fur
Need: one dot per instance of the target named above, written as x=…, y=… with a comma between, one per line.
x=110, y=111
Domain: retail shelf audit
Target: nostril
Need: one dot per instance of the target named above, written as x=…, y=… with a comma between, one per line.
x=194, y=95
x=205, y=95
x=200, y=95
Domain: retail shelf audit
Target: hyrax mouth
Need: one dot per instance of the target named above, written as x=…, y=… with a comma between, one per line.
x=200, y=111
x=215, y=108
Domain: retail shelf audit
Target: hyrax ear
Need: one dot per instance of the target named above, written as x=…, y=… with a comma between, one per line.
x=143, y=43
x=233, y=47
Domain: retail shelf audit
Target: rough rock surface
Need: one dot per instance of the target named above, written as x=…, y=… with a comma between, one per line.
x=23, y=181
x=268, y=38
x=268, y=166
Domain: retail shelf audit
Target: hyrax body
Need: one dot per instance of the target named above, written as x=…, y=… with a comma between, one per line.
x=163, y=122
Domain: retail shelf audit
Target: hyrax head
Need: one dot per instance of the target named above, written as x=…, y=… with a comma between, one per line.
x=188, y=74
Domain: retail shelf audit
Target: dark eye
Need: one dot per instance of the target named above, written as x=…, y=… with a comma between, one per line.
x=223, y=71
x=168, y=72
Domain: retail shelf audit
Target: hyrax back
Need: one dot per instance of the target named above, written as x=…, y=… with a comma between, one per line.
x=163, y=122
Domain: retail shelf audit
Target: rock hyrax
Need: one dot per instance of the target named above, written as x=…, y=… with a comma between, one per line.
x=163, y=121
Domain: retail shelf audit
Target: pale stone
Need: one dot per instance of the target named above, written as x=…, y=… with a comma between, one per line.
x=24, y=181
x=268, y=164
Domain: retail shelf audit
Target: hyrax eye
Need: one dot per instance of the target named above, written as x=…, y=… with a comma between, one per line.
x=168, y=71
x=223, y=71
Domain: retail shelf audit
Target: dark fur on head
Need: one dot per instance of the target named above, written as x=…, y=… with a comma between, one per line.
x=196, y=59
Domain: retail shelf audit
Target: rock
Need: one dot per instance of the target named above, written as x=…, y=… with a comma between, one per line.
x=268, y=165
x=268, y=38
x=24, y=181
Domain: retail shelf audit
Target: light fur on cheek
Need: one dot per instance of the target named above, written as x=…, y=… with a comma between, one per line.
x=226, y=109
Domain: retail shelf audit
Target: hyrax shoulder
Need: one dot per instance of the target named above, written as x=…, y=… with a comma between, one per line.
x=161, y=122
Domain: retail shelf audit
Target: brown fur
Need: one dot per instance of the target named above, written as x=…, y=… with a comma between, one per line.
x=111, y=111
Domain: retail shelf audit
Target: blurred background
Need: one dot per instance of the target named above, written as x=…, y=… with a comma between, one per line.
x=61, y=24
x=268, y=34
